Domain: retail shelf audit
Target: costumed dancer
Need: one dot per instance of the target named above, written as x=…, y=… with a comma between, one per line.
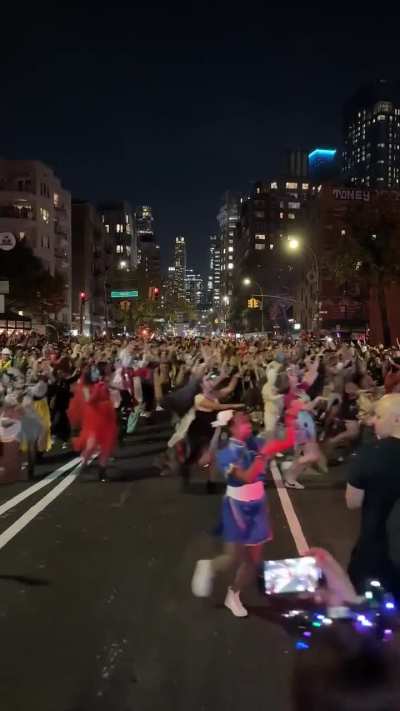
x=245, y=522
x=92, y=408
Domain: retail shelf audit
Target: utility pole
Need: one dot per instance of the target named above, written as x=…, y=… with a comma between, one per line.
x=82, y=297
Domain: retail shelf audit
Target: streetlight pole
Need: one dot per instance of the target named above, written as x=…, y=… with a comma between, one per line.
x=261, y=295
x=294, y=245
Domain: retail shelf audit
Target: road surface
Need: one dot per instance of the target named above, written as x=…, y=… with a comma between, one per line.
x=96, y=611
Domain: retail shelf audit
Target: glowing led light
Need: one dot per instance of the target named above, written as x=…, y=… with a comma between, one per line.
x=375, y=584
x=322, y=153
x=302, y=645
x=390, y=605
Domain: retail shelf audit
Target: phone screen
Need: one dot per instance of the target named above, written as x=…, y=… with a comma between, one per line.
x=291, y=575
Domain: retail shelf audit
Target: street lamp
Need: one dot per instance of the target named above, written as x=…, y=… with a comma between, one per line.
x=247, y=282
x=294, y=245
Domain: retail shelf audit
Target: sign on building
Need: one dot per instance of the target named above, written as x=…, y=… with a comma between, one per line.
x=7, y=241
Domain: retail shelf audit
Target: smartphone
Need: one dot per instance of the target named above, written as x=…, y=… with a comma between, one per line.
x=291, y=575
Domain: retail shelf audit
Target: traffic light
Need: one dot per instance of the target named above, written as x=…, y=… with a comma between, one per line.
x=253, y=303
x=82, y=295
x=154, y=293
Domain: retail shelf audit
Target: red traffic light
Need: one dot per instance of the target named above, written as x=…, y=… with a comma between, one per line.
x=82, y=295
x=156, y=290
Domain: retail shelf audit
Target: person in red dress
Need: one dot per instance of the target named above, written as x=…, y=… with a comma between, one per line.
x=92, y=409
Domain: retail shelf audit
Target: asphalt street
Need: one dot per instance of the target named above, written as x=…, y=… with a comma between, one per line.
x=96, y=610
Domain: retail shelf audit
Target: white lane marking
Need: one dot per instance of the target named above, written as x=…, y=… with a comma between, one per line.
x=35, y=510
x=291, y=516
x=39, y=485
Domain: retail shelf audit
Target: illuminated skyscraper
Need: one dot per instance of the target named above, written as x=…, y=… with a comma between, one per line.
x=371, y=136
x=147, y=246
x=228, y=221
x=214, y=274
x=180, y=267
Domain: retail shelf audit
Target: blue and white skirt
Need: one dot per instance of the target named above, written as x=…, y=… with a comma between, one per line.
x=245, y=522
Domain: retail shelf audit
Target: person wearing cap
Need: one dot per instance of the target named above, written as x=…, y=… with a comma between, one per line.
x=5, y=360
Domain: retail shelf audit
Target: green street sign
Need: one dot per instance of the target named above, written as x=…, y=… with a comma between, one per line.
x=125, y=294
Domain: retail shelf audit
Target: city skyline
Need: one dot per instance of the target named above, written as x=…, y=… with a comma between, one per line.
x=194, y=123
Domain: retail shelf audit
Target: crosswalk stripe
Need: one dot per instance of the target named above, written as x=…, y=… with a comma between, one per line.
x=11, y=503
x=288, y=509
x=37, y=508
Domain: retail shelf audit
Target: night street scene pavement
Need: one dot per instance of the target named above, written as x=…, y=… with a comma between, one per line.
x=97, y=611
x=199, y=357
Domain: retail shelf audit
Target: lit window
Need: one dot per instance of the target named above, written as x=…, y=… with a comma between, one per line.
x=380, y=145
x=127, y=219
x=293, y=205
x=21, y=235
x=274, y=186
x=291, y=186
x=271, y=246
x=260, y=246
x=230, y=249
x=107, y=228
x=119, y=249
x=281, y=215
x=343, y=232
x=304, y=186
x=258, y=190
x=260, y=236
x=56, y=200
x=230, y=265
x=45, y=215
x=291, y=216
x=381, y=117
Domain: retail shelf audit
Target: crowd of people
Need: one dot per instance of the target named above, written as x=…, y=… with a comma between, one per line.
x=235, y=405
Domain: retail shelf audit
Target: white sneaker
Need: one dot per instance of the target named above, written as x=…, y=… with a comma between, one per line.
x=234, y=604
x=202, y=580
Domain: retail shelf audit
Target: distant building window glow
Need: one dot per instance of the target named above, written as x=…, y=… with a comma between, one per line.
x=291, y=186
x=45, y=215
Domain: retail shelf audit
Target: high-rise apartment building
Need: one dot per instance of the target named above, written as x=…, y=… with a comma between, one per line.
x=91, y=263
x=214, y=273
x=296, y=164
x=180, y=267
x=117, y=218
x=148, y=249
x=371, y=136
x=228, y=220
x=194, y=288
x=36, y=209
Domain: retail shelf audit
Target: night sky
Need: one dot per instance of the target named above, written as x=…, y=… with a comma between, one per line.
x=170, y=106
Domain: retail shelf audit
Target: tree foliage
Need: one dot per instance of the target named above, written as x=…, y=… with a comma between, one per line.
x=369, y=252
x=370, y=247
x=32, y=289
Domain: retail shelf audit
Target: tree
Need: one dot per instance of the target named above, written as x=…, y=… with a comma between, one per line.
x=32, y=288
x=370, y=252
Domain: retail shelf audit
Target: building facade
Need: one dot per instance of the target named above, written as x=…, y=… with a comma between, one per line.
x=371, y=136
x=214, y=273
x=322, y=303
x=91, y=264
x=117, y=218
x=228, y=221
x=180, y=268
x=194, y=288
x=36, y=209
x=148, y=248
